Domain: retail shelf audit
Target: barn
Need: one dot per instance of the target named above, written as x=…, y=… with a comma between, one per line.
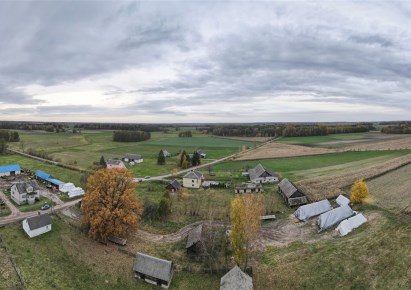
x=153, y=270
x=11, y=169
x=291, y=194
x=236, y=279
x=193, y=244
x=261, y=174
x=174, y=186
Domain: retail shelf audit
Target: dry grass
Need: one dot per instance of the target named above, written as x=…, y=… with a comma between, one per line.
x=330, y=186
x=279, y=150
x=397, y=144
x=249, y=139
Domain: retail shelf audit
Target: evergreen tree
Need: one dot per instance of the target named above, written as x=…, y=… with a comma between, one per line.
x=196, y=159
x=182, y=158
x=161, y=160
x=102, y=161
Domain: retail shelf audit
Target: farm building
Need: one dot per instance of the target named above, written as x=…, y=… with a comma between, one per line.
x=248, y=187
x=307, y=211
x=348, y=225
x=136, y=158
x=166, y=153
x=153, y=270
x=290, y=193
x=202, y=153
x=49, y=180
x=236, y=279
x=113, y=163
x=332, y=217
x=193, y=244
x=11, y=169
x=37, y=225
x=25, y=192
x=174, y=186
x=193, y=179
x=260, y=174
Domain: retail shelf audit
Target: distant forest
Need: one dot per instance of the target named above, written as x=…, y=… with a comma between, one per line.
x=397, y=129
x=122, y=126
x=130, y=136
x=287, y=130
x=9, y=136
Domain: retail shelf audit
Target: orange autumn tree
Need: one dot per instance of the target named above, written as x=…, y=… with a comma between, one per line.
x=245, y=224
x=359, y=191
x=109, y=206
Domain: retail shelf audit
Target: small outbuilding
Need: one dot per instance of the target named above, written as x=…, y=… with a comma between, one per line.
x=307, y=211
x=114, y=163
x=136, y=158
x=332, y=217
x=11, y=169
x=37, y=225
x=291, y=194
x=193, y=179
x=348, y=225
x=202, y=153
x=49, y=180
x=153, y=270
x=166, y=153
x=174, y=186
x=193, y=244
x=235, y=279
x=249, y=188
x=261, y=174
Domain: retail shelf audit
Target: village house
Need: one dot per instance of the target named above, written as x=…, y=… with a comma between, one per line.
x=174, y=186
x=153, y=270
x=193, y=244
x=249, y=188
x=260, y=174
x=166, y=153
x=113, y=163
x=236, y=279
x=37, y=225
x=291, y=194
x=201, y=153
x=25, y=192
x=136, y=158
x=193, y=179
x=49, y=180
x=11, y=169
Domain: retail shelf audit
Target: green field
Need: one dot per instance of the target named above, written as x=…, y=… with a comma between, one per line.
x=83, y=149
x=321, y=139
x=60, y=173
x=4, y=210
x=293, y=167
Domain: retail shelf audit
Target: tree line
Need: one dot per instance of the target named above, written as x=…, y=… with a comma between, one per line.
x=185, y=134
x=397, y=129
x=9, y=136
x=130, y=136
x=287, y=130
x=28, y=126
x=122, y=126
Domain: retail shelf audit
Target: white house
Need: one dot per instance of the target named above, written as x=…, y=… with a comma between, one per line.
x=260, y=174
x=25, y=192
x=12, y=169
x=193, y=179
x=136, y=158
x=37, y=225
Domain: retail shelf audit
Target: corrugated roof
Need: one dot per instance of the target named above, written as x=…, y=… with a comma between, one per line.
x=235, y=279
x=194, y=236
x=48, y=177
x=39, y=221
x=193, y=174
x=153, y=267
x=9, y=168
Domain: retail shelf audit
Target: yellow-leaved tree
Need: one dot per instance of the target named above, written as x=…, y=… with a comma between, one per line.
x=359, y=191
x=109, y=205
x=245, y=215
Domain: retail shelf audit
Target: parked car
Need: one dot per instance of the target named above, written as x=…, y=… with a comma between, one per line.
x=147, y=177
x=45, y=207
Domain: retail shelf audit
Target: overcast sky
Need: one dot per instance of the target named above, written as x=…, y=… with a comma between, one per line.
x=205, y=61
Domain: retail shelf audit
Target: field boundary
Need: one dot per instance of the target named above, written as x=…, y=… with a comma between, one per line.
x=13, y=263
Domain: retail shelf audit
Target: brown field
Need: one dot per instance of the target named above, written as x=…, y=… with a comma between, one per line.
x=249, y=139
x=279, y=150
x=396, y=144
x=331, y=186
x=392, y=190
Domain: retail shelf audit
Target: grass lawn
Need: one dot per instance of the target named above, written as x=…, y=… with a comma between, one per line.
x=375, y=256
x=67, y=259
x=4, y=210
x=321, y=139
x=83, y=149
x=60, y=173
x=287, y=166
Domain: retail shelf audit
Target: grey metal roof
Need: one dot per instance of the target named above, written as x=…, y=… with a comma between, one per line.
x=23, y=186
x=259, y=170
x=194, y=236
x=153, y=267
x=39, y=221
x=133, y=156
x=193, y=174
x=249, y=186
x=114, y=162
x=235, y=279
x=175, y=184
x=289, y=189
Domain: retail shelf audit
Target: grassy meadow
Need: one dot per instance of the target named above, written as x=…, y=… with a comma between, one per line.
x=322, y=139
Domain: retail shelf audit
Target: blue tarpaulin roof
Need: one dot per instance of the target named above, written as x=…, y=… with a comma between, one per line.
x=48, y=177
x=9, y=168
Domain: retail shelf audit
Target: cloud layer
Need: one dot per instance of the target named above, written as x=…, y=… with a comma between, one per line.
x=205, y=61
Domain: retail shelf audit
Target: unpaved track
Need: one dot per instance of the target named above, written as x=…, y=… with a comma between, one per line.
x=169, y=238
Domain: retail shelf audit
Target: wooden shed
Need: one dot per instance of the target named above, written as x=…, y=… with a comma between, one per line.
x=153, y=270
x=236, y=279
x=193, y=244
x=291, y=194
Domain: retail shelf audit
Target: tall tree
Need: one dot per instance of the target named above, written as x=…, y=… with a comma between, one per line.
x=245, y=224
x=359, y=191
x=102, y=161
x=196, y=159
x=161, y=159
x=3, y=146
x=109, y=206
